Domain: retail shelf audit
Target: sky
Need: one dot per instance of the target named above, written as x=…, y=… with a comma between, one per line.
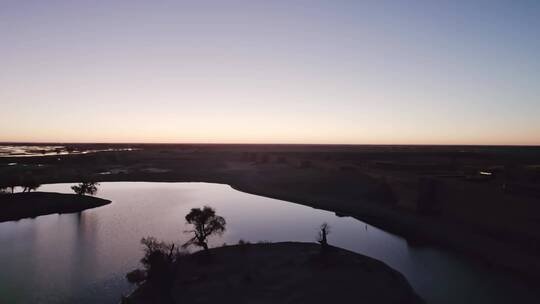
x=321, y=72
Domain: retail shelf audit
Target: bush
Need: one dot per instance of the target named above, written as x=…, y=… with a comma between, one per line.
x=136, y=276
x=242, y=242
x=244, y=245
x=158, y=263
x=158, y=260
x=3, y=190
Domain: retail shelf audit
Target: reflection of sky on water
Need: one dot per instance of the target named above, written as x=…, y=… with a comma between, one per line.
x=22, y=151
x=83, y=257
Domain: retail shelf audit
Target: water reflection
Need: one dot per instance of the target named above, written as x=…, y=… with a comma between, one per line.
x=83, y=257
x=32, y=151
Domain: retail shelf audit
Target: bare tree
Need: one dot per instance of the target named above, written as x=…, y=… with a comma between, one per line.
x=323, y=232
x=205, y=223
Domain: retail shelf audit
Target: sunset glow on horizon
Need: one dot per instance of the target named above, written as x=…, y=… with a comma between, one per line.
x=314, y=72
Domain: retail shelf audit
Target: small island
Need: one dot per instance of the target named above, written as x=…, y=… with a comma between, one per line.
x=17, y=206
x=288, y=272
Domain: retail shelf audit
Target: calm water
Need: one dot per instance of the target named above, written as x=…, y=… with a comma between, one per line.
x=83, y=257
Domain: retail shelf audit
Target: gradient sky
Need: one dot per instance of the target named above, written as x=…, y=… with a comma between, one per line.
x=352, y=72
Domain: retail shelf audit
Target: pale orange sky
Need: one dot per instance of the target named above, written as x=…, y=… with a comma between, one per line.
x=270, y=72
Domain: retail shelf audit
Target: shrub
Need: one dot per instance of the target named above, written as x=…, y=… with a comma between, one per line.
x=136, y=276
x=158, y=263
x=158, y=259
x=242, y=242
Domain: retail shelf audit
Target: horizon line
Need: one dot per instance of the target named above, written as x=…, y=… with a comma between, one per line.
x=256, y=144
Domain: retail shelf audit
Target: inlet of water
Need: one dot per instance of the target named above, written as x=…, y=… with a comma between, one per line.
x=83, y=258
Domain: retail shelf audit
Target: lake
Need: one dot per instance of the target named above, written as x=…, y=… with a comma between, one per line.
x=83, y=258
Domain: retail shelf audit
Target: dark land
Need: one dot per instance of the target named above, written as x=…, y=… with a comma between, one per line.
x=31, y=204
x=477, y=200
x=279, y=273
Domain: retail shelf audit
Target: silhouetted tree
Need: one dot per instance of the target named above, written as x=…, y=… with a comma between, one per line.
x=85, y=188
x=12, y=186
x=10, y=182
x=205, y=223
x=323, y=232
x=158, y=263
x=29, y=183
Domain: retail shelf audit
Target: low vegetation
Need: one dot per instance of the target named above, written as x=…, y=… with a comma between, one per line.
x=160, y=257
x=158, y=260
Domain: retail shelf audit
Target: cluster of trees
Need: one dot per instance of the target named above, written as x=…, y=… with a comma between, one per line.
x=29, y=183
x=26, y=182
x=160, y=257
x=85, y=188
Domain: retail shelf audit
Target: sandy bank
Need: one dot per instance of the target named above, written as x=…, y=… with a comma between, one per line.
x=281, y=273
x=22, y=205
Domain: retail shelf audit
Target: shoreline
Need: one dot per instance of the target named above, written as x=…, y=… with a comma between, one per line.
x=424, y=232
x=383, y=186
x=17, y=206
x=416, y=229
